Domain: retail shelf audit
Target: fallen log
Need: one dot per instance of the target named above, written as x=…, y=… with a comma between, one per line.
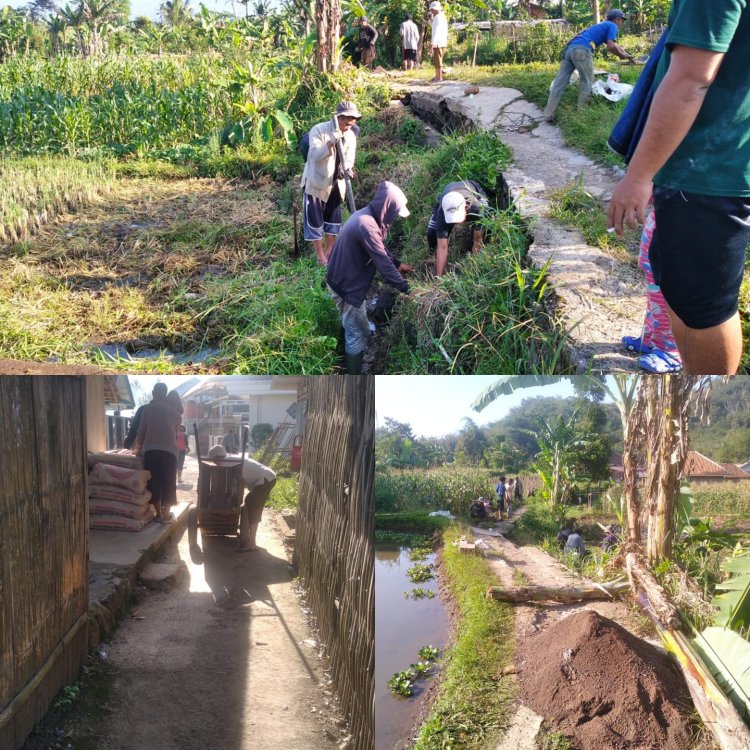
x=716, y=710
x=564, y=594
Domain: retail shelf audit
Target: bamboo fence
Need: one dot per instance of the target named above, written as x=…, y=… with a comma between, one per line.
x=43, y=546
x=335, y=531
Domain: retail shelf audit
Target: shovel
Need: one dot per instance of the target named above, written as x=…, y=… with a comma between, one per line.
x=347, y=179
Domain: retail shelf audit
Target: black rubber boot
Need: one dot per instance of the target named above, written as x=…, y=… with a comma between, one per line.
x=354, y=363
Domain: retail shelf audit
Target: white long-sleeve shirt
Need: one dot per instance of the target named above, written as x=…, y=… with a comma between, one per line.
x=439, y=30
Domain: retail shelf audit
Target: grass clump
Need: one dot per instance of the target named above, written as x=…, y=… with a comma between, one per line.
x=576, y=206
x=285, y=493
x=276, y=319
x=472, y=708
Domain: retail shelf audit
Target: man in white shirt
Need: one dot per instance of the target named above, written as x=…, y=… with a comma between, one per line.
x=259, y=480
x=439, y=40
x=409, y=42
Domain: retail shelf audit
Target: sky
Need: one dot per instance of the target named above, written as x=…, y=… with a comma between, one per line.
x=436, y=405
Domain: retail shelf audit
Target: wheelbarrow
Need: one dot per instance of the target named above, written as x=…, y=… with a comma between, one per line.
x=220, y=489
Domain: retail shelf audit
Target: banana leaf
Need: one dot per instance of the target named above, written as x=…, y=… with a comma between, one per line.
x=727, y=655
x=734, y=603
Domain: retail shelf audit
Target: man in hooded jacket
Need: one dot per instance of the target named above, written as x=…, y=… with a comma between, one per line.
x=359, y=252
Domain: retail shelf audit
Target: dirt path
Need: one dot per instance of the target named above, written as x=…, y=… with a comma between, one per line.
x=537, y=567
x=225, y=659
x=600, y=298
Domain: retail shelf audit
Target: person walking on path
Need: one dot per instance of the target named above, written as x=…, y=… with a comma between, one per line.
x=368, y=35
x=322, y=181
x=438, y=39
x=458, y=201
x=359, y=252
x=578, y=55
x=157, y=443
x=694, y=157
x=409, y=33
x=500, y=490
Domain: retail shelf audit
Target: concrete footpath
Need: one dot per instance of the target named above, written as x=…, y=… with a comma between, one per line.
x=599, y=298
x=118, y=558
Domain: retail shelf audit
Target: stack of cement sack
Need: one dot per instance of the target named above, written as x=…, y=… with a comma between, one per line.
x=118, y=498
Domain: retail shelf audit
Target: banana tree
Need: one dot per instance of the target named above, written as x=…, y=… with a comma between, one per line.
x=557, y=439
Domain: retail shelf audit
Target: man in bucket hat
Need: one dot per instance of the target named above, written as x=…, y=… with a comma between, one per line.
x=323, y=179
x=578, y=55
x=457, y=202
x=439, y=39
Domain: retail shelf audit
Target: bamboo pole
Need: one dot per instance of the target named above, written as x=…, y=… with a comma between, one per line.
x=565, y=594
x=474, y=59
x=715, y=709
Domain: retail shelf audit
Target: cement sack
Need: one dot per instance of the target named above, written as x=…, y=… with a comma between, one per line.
x=111, y=492
x=115, y=508
x=117, y=523
x=121, y=457
x=612, y=89
x=131, y=479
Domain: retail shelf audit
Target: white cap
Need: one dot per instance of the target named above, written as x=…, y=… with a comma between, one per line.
x=217, y=451
x=435, y=5
x=454, y=207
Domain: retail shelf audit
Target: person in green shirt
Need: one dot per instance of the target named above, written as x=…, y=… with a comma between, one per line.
x=694, y=156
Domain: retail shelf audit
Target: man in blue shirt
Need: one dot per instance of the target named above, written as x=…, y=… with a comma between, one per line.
x=579, y=55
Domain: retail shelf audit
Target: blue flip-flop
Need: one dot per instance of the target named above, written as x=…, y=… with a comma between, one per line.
x=636, y=344
x=659, y=362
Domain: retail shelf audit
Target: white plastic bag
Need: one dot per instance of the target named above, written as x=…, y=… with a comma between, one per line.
x=612, y=89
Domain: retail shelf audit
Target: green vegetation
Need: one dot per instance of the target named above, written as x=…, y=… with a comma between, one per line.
x=445, y=488
x=415, y=522
x=402, y=683
x=420, y=573
x=419, y=593
x=722, y=499
x=472, y=706
x=285, y=493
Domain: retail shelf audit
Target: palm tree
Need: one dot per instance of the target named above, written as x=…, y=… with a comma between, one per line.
x=175, y=13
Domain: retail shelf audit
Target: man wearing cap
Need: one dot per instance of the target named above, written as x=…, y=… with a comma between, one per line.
x=322, y=181
x=457, y=202
x=409, y=33
x=439, y=39
x=578, y=55
x=359, y=252
x=368, y=35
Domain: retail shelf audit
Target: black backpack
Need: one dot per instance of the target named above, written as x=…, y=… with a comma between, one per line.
x=304, y=145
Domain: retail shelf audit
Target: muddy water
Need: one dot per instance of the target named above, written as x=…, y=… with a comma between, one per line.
x=402, y=627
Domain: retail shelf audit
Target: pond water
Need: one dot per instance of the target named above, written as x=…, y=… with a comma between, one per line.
x=402, y=627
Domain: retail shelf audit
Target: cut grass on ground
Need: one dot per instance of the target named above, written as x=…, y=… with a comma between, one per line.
x=182, y=265
x=474, y=702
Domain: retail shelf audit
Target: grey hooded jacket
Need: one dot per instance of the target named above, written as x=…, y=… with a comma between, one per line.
x=360, y=249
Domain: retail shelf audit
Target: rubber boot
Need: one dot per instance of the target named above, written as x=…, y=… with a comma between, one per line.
x=354, y=363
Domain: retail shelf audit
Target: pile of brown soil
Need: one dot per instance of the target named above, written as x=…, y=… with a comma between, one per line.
x=604, y=688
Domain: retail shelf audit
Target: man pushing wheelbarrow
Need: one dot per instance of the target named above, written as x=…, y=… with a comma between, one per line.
x=258, y=480
x=220, y=509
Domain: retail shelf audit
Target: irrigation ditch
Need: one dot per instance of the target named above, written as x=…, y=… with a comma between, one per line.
x=168, y=271
x=530, y=675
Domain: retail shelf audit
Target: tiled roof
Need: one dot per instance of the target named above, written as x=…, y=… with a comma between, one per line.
x=736, y=471
x=698, y=465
